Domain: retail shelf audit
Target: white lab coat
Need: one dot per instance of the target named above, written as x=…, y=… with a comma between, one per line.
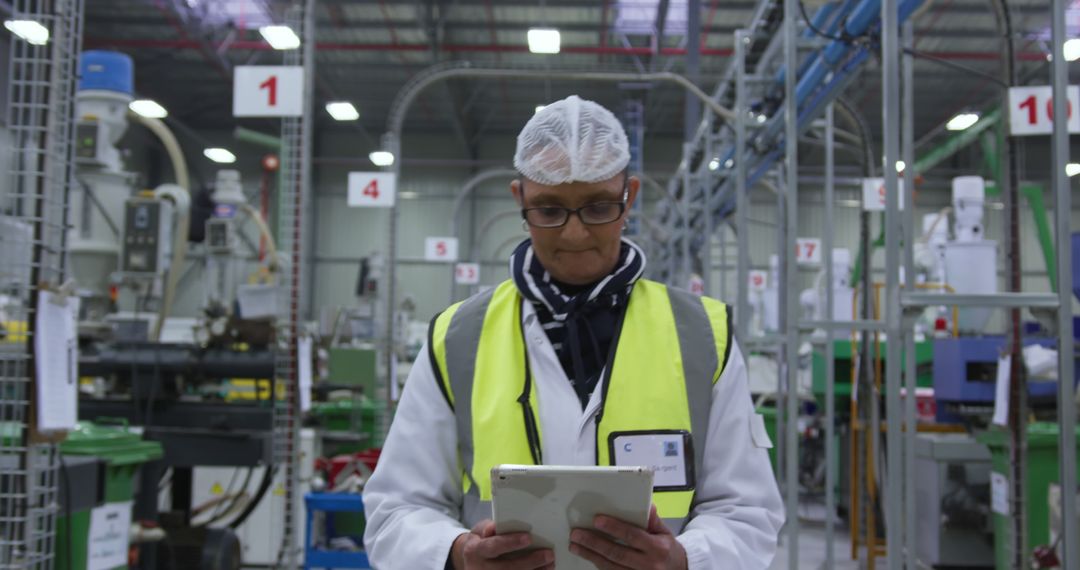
x=414, y=498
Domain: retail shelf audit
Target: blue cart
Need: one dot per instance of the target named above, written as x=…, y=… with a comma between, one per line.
x=315, y=557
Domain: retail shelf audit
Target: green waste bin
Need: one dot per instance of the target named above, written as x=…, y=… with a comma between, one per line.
x=1042, y=470
x=769, y=413
x=122, y=453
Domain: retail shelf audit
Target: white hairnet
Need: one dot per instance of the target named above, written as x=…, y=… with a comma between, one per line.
x=572, y=140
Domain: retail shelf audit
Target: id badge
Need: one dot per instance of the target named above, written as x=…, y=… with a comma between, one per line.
x=669, y=453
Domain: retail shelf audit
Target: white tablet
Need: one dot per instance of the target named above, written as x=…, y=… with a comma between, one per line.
x=548, y=501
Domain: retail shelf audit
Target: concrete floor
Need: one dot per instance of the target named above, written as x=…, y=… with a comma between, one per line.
x=812, y=545
x=812, y=550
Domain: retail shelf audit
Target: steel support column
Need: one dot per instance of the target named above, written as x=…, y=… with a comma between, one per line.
x=790, y=285
x=1062, y=213
x=907, y=145
x=890, y=87
x=742, y=200
x=830, y=356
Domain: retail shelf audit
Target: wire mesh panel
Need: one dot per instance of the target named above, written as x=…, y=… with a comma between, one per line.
x=33, y=215
x=293, y=204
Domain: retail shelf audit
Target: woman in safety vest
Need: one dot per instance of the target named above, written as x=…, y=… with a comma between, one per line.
x=572, y=358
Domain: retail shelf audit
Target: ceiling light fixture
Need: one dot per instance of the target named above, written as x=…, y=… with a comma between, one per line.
x=714, y=164
x=381, y=158
x=544, y=40
x=962, y=121
x=148, y=108
x=220, y=155
x=29, y=30
x=280, y=37
x=342, y=111
x=1072, y=169
x=1072, y=49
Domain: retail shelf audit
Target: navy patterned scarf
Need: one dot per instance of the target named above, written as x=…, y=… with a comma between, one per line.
x=580, y=321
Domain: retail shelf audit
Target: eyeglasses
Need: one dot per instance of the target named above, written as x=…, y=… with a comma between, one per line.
x=594, y=214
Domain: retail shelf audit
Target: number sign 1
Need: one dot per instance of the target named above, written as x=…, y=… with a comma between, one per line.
x=268, y=91
x=808, y=251
x=467, y=274
x=372, y=189
x=440, y=249
x=1031, y=110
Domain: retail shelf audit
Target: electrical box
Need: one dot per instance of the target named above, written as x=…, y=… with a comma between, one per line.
x=147, y=237
x=88, y=148
x=220, y=236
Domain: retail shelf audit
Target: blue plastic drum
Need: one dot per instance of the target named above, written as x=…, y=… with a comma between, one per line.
x=107, y=71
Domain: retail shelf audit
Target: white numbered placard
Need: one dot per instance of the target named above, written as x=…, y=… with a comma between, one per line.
x=268, y=91
x=440, y=249
x=873, y=194
x=808, y=251
x=759, y=280
x=467, y=274
x=372, y=189
x=1031, y=110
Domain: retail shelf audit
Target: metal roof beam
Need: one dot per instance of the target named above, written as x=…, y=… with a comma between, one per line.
x=191, y=25
x=661, y=23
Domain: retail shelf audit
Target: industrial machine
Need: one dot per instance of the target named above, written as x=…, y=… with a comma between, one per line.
x=965, y=367
x=128, y=250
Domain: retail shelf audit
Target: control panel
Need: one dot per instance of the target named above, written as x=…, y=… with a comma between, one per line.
x=219, y=236
x=147, y=237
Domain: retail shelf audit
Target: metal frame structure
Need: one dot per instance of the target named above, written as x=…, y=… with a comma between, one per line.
x=34, y=202
x=294, y=227
x=726, y=193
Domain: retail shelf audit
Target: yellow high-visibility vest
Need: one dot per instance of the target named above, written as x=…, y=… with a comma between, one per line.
x=670, y=348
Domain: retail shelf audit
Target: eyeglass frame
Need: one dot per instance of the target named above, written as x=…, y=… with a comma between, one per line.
x=577, y=211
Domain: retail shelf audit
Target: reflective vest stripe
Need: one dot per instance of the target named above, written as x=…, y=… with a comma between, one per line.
x=437, y=350
x=462, y=337
x=720, y=320
x=700, y=361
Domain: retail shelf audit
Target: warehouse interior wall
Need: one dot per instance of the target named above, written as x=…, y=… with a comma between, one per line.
x=430, y=182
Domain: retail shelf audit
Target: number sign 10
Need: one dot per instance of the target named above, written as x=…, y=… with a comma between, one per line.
x=1031, y=110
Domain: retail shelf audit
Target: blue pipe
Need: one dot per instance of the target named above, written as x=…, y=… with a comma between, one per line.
x=819, y=22
x=830, y=30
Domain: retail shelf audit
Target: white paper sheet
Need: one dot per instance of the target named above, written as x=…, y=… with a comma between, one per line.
x=1001, y=391
x=303, y=356
x=107, y=545
x=999, y=493
x=56, y=353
